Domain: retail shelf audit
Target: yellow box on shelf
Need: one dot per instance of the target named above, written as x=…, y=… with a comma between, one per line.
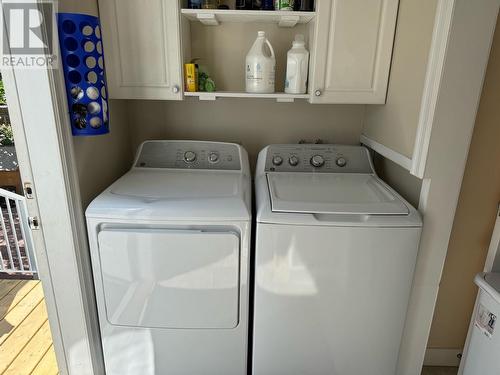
x=191, y=76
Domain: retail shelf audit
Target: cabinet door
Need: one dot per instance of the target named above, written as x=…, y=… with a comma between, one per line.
x=354, y=40
x=142, y=47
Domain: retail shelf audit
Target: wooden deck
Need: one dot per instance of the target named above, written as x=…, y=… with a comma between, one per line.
x=25, y=340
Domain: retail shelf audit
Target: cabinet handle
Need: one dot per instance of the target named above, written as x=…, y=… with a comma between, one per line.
x=175, y=89
x=317, y=92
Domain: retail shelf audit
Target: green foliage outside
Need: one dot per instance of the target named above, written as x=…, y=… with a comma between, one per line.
x=6, y=135
x=2, y=93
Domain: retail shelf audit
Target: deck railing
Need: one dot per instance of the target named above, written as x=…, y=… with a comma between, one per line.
x=16, y=244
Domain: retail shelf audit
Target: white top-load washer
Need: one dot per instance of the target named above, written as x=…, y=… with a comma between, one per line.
x=169, y=244
x=335, y=255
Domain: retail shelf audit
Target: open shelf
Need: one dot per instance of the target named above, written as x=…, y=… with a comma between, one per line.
x=214, y=17
x=279, y=96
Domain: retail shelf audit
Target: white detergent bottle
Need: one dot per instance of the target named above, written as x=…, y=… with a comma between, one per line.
x=260, y=66
x=297, y=67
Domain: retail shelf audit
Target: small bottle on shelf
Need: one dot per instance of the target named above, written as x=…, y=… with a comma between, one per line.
x=260, y=66
x=209, y=4
x=243, y=4
x=256, y=4
x=283, y=4
x=226, y=4
x=304, y=5
x=194, y=4
x=267, y=5
x=297, y=66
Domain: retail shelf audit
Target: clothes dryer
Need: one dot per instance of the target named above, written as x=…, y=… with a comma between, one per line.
x=169, y=244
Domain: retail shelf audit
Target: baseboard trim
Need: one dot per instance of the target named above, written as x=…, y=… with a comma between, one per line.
x=442, y=357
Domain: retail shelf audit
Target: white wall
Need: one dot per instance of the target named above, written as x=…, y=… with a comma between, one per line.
x=102, y=159
x=395, y=123
x=474, y=219
x=253, y=123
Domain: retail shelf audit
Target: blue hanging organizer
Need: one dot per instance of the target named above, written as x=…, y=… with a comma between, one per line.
x=83, y=63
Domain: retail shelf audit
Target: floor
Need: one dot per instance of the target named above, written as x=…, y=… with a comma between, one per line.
x=439, y=371
x=25, y=340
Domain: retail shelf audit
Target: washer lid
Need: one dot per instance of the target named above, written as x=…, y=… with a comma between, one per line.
x=494, y=280
x=332, y=193
x=490, y=283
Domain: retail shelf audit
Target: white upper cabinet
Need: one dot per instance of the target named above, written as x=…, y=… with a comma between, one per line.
x=352, y=58
x=350, y=42
x=142, y=48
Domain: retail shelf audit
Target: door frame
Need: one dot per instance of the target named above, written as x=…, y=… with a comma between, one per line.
x=46, y=160
x=464, y=67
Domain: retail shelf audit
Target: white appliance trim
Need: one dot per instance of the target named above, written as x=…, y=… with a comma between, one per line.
x=432, y=86
x=385, y=151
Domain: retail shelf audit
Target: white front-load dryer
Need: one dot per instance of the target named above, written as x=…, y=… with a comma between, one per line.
x=335, y=254
x=169, y=244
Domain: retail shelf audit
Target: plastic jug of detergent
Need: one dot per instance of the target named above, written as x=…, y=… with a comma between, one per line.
x=260, y=66
x=297, y=66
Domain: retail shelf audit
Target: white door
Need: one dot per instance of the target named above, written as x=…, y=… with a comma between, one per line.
x=170, y=278
x=142, y=49
x=353, y=50
x=38, y=112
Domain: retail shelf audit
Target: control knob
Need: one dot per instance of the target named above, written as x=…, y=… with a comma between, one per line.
x=189, y=156
x=293, y=160
x=317, y=161
x=341, y=162
x=277, y=160
x=213, y=157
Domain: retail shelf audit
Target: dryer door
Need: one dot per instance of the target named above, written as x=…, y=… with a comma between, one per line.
x=170, y=278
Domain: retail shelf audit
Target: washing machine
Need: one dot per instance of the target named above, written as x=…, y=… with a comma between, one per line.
x=169, y=245
x=335, y=254
x=482, y=354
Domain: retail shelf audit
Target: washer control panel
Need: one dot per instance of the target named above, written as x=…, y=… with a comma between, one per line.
x=189, y=155
x=318, y=158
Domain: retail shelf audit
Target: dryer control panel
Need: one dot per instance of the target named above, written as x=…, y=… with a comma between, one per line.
x=189, y=155
x=318, y=158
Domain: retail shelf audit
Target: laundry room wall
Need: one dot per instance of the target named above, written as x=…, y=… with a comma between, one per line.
x=395, y=123
x=474, y=218
x=78, y=6
x=100, y=159
x=257, y=123
x=253, y=123
x=399, y=178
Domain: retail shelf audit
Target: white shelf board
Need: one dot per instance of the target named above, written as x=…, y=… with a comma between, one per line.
x=279, y=96
x=213, y=17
